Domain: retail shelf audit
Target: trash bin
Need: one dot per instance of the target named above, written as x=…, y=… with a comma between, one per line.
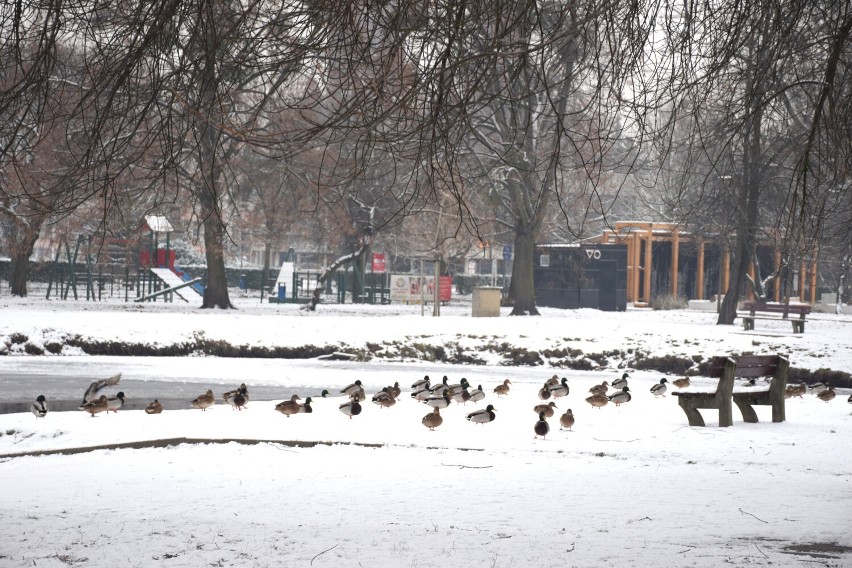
x=282, y=291
x=243, y=285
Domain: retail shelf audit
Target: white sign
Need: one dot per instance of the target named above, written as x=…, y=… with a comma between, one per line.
x=407, y=288
x=593, y=254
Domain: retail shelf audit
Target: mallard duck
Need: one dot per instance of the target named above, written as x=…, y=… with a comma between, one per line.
x=240, y=399
x=598, y=400
x=439, y=401
x=477, y=394
x=324, y=394
x=305, y=408
x=544, y=392
x=546, y=408
x=204, y=401
x=454, y=389
x=828, y=394
x=227, y=396
x=748, y=382
x=96, y=387
x=154, y=407
x=289, y=407
x=660, y=388
x=552, y=381
x=115, y=402
x=817, y=388
x=566, y=420
x=503, y=388
x=39, y=407
x=384, y=399
x=602, y=388
x=462, y=396
x=433, y=419
x=541, y=427
x=621, y=397
x=97, y=406
x=351, y=408
x=395, y=390
x=560, y=389
x=441, y=387
x=795, y=390
x=359, y=395
x=620, y=383
x=352, y=389
x=421, y=393
x=482, y=416
x=681, y=383
x=424, y=382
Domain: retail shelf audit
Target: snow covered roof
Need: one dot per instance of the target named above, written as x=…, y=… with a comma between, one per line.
x=158, y=224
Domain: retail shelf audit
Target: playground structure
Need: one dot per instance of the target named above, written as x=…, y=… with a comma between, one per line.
x=123, y=267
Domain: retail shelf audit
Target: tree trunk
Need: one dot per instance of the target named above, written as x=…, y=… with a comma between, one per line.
x=522, y=288
x=216, y=291
x=21, y=249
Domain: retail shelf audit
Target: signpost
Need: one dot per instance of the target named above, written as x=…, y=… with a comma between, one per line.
x=507, y=255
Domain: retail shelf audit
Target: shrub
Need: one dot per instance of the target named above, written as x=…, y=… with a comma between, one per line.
x=669, y=302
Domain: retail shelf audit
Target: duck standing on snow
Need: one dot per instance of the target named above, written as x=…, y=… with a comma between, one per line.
x=660, y=388
x=455, y=389
x=561, y=389
x=566, y=420
x=546, y=408
x=600, y=389
x=229, y=396
x=462, y=396
x=204, y=401
x=477, y=394
x=97, y=406
x=421, y=393
x=598, y=400
x=306, y=408
x=503, y=388
x=817, y=388
x=681, y=383
x=94, y=390
x=383, y=398
x=39, y=407
x=240, y=399
x=544, y=392
x=541, y=427
x=424, y=382
x=289, y=407
x=828, y=394
x=351, y=408
x=440, y=387
x=620, y=383
x=395, y=390
x=433, y=419
x=621, y=397
x=352, y=389
x=439, y=401
x=115, y=402
x=482, y=416
x=795, y=390
x=154, y=407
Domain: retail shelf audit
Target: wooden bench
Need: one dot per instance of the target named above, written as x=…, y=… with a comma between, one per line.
x=755, y=308
x=727, y=368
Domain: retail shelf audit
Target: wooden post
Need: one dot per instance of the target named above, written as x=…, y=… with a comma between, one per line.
x=699, y=289
x=675, y=254
x=726, y=271
x=777, y=284
x=813, y=282
x=648, y=263
x=802, y=282
x=753, y=278
x=637, y=258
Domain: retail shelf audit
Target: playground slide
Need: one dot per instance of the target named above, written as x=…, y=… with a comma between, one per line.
x=170, y=279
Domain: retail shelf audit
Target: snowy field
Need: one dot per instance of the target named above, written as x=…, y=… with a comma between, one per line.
x=628, y=486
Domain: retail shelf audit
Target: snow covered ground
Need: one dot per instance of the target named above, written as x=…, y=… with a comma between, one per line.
x=629, y=486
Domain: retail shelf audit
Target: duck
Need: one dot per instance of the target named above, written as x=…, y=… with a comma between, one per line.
x=352, y=389
x=566, y=420
x=477, y=394
x=240, y=399
x=227, y=396
x=154, y=407
x=115, y=402
x=384, y=399
x=324, y=394
x=541, y=427
x=503, y=388
x=620, y=383
x=39, y=407
x=560, y=389
x=681, y=383
x=440, y=387
x=421, y=393
x=748, y=382
x=544, y=392
x=547, y=409
x=204, y=401
x=620, y=397
x=439, y=401
x=395, y=390
x=828, y=394
x=817, y=388
x=97, y=406
x=552, y=381
x=96, y=387
x=660, y=388
x=482, y=416
x=462, y=396
x=795, y=390
x=359, y=395
x=598, y=400
x=351, y=408
x=424, y=382
x=433, y=419
x=288, y=407
x=305, y=408
x=456, y=388
x=602, y=388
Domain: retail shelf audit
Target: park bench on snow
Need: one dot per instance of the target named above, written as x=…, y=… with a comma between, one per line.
x=775, y=312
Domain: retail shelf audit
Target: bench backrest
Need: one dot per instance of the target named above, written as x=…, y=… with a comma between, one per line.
x=746, y=366
x=777, y=308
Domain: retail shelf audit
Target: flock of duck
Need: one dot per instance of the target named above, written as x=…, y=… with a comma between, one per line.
x=437, y=396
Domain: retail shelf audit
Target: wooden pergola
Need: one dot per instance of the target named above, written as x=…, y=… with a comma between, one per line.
x=640, y=237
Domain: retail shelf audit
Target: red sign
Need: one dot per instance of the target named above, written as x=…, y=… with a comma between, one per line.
x=445, y=292
x=378, y=262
